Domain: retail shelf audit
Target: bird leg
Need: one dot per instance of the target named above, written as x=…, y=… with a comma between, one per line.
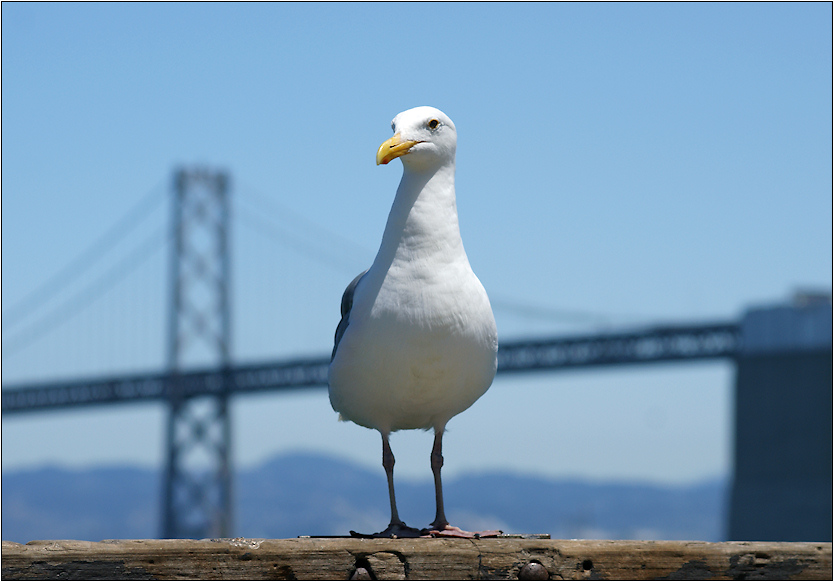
x=440, y=526
x=440, y=521
x=397, y=528
x=388, y=464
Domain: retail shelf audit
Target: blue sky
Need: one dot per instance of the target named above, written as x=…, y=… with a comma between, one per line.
x=618, y=165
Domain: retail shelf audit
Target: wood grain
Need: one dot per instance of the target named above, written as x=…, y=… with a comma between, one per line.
x=414, y=559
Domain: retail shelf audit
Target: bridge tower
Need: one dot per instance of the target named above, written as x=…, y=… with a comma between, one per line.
x=782, y=482
x=198, y=478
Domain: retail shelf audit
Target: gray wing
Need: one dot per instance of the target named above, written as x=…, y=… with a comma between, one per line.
x=347, y=303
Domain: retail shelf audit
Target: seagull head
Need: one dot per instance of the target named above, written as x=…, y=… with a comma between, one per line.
x=424, y=137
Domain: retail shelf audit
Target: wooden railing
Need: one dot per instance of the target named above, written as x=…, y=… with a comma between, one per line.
x=414, y=559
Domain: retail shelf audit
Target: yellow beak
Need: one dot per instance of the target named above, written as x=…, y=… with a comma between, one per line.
x=393, y=148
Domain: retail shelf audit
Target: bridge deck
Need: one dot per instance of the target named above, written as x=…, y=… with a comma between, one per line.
x=659, y=344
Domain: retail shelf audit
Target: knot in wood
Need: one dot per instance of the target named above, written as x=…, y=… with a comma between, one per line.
x=533, y=571
x=361, y=574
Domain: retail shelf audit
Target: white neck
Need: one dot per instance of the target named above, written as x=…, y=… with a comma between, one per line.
x=423, y=223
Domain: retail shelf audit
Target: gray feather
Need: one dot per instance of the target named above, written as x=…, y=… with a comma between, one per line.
x=347, y=304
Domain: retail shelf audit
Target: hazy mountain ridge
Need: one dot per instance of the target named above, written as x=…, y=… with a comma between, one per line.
x=309, y=494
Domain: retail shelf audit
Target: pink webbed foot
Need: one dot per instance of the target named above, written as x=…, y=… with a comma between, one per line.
x=450, y=531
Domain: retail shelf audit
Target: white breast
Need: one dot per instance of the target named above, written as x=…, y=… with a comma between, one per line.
x=415, y=355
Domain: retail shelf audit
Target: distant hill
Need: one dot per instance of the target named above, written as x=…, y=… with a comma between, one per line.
x=308, y=494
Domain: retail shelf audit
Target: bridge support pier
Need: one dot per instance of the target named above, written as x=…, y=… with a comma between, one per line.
x=198, y=478
x=782, y=483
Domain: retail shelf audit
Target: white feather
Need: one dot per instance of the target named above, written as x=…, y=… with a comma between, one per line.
x=420, y=344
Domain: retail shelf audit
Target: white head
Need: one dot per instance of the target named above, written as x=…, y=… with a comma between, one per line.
x=424, y=137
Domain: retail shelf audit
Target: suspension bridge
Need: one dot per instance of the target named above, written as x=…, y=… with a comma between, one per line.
x=782, y=356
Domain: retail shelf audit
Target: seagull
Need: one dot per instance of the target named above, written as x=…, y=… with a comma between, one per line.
x=417, y=342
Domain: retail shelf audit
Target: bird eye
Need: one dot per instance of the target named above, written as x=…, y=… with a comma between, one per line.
x=433, y=124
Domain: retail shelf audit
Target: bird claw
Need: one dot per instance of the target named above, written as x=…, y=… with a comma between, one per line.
x=394, y=531
x=400, y=530
x=450, y=531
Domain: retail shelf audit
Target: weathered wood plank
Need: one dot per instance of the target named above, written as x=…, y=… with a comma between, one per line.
x=414, y=559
